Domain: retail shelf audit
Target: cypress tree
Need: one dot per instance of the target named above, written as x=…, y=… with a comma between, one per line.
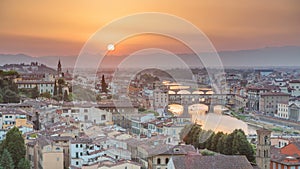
x=23, y=164
x=66, y=96
x=103, y=85
x=6, y=160
x=221, y=144
x=214, y=141
x=55, y=89
x=14, y=143
x=228, y=144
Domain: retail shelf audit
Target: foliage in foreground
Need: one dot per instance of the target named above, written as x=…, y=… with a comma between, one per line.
x=235, y=143
x=15, y=146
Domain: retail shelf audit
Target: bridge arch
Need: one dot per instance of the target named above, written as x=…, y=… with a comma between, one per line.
x=197, y=92
x=183, y=92
x=171, y=92
x=210, y=92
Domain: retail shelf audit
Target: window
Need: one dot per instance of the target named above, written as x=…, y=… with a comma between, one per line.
x=76, y=145
x=266, y=140
x=103, y=117
x=77, y=163
x=158, y=161
x=167, y=160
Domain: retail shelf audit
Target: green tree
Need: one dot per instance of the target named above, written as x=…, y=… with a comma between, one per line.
x=215, y=140
x=60, y=92
x=185, y=131
x=241, y=146
x=66, y=98
x=23, y=164
x=228, y=144
x=35, y=92
x=46, y=95
x=191, y=137
x=103, y=85
x=61, y=82
x=221, y=144
x=6, y=160
x=14, y=143
x=10, y=96
x=208, y=142
x=55, y=89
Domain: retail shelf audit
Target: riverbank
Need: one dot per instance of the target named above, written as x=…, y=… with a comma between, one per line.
x=274, y=124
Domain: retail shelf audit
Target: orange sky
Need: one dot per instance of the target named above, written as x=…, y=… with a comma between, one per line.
x=52, y=27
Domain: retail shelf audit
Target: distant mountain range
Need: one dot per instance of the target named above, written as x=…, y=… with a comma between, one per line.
x=264, y=57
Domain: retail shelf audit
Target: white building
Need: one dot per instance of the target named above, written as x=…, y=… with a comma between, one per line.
x=138, y=120
x=294, y=112
x=282, y=111
x=88, y=114
x=84, y=152
x=42, y=86
x=279, y=82
x=295, y=85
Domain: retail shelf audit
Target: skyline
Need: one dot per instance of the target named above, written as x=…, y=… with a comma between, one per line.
x=47, y=28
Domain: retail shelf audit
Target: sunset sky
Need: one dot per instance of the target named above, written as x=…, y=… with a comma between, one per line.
x=48, y=27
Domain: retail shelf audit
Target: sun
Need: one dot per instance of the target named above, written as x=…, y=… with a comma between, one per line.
x=110, y=47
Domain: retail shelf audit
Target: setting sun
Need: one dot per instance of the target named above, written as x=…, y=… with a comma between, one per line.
x=110, y=47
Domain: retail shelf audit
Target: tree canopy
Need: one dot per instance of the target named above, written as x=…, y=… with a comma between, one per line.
x=235, y=143
x=23, y=164
x=6, y=160
x=103, y=85
x=14, y=143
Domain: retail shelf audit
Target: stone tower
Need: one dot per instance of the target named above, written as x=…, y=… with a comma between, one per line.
x=59, y=71
x=263, y=148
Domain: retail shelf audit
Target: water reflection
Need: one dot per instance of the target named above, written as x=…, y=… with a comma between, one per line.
x=212, y=121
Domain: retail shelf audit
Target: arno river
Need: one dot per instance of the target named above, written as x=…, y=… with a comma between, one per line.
x=213, y=121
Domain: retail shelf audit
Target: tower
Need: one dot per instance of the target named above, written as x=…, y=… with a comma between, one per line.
x=263, y=148
x=59, y=72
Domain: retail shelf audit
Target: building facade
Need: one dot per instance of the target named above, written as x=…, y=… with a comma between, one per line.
x=268, y=103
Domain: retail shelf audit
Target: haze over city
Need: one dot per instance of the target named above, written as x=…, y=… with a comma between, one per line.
x=149, y=84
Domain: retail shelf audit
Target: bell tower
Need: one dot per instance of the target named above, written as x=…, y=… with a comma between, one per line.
x=263, y=148
x=59, y=71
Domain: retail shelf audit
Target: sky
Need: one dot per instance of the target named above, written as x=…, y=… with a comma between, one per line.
x=53, y=27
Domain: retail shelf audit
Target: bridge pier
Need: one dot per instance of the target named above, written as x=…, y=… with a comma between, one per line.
x=210, y=109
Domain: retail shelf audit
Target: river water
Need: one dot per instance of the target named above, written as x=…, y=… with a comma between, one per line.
x=213, y=121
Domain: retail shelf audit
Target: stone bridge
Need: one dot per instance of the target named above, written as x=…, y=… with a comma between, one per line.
x=210, y=100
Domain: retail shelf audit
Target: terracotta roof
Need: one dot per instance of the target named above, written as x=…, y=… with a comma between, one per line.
x=34, y=82
x=295, y=81
x=194, y=160
x=275, y=94
x=180, y=149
